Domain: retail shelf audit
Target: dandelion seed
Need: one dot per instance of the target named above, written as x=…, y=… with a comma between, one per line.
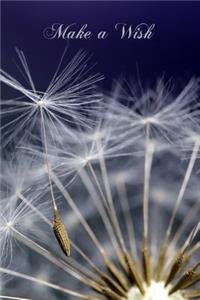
x=67, y=99
x=61, y=234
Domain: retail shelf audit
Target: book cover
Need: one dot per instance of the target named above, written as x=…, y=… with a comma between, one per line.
x=100, y=138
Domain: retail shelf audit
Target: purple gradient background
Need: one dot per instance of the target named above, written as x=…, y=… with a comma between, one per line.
x=174, y=50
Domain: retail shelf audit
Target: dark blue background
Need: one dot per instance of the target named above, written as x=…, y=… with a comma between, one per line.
x=174, y=50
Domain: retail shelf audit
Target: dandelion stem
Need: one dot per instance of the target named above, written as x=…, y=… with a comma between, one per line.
x=58, y=226
x=13, y=298
x=43, y=282
x=190, y=216
x=103, y=275
x=115, y=222
x=163, y=251
x=192, y=293
x=147, y=169
x=184, y=184
x=103, y=211
x=188, y=256
x=116, y=273
x=97, y=183
x=179, y=260
x=46, y=158
x=191, y=237
x=189, y=278
x=65, y=266
x=77, y=212
x=121, y=188
x=111, y=220
x=50, y=225
x=108, y=210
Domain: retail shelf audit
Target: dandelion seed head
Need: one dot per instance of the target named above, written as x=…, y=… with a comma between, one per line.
x=9, y=224
x=149, y=120
x=99, y=135
x=42, y=103
x=156, y=291
x=117, y=191
x=69, y=98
